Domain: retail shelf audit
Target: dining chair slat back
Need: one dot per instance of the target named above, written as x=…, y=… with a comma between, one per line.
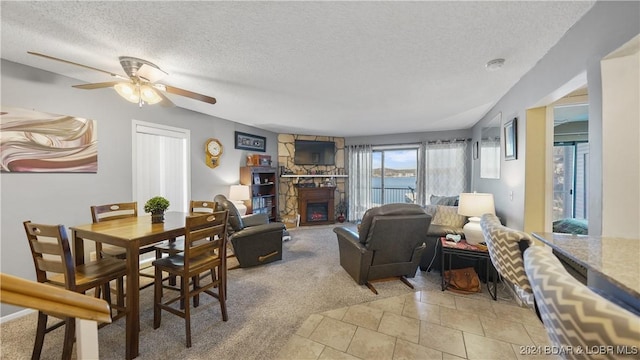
x=202, y=206
x=55, y=266
x=107, y=212
x=114, y=211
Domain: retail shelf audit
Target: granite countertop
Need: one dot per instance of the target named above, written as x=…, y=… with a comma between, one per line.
x=617, y=259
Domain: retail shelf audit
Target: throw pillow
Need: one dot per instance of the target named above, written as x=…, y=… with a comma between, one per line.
x=444, y=200
x=448, y=216
x=430, y=209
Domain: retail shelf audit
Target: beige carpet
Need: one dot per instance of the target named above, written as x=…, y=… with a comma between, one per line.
x=266, y=305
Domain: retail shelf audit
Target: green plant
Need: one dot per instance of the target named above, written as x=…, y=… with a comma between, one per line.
x=156, y=204
x=341, y=208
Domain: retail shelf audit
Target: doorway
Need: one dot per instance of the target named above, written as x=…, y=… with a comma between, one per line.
x=161, y=164
x=570, y=159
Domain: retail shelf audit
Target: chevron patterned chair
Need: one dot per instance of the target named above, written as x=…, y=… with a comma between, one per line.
x=574, y=316
x=506, y=247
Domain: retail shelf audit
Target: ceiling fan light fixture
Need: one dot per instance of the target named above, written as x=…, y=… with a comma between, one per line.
x=149, y=95
x=127, y=91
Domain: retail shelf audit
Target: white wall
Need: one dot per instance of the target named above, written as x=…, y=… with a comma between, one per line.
x=603, y=29
x=621, y=136
x=65, y=198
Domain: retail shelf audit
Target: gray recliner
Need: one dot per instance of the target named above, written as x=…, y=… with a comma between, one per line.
x=389, y=243
x=255, y=240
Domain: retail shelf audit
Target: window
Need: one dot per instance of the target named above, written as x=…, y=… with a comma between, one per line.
x=445, y=169
x=394, y=175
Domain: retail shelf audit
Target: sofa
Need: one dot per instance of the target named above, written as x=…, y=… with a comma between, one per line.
x=445, y=220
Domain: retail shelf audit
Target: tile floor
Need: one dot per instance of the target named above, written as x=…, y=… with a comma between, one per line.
x=427, y=324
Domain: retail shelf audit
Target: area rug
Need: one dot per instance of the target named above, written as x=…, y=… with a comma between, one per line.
x=266, y=305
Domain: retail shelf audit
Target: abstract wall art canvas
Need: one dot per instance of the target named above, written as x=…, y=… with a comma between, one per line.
x=38, y=142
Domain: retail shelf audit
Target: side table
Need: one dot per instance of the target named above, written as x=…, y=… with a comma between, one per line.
x=462, y=249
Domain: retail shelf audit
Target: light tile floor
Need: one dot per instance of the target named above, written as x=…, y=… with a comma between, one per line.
x=428, y=324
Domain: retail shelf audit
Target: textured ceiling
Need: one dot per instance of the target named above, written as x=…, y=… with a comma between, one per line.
x=322, y=68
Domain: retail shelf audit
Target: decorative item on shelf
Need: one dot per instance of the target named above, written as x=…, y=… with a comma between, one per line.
x=238, y=194
x=341, y=210
x=306, y=183
x=157, y=205
x=328, y=182
x=475, y=205
x=259, y=160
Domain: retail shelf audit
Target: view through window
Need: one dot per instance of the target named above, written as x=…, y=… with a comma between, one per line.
x=394, y=176
x=570, y=170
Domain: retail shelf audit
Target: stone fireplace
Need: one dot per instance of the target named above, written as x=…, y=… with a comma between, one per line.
x=309, y=175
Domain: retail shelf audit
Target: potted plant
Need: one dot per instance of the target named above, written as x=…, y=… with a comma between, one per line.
x=341, y=210
x=157, y=205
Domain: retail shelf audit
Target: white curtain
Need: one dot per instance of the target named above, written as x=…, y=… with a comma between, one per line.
x=421, y=181
x=161, y=165
x=360, y=171
x=442, y=169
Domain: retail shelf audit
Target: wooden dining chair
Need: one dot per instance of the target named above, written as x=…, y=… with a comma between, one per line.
x=100, y=213
x=54, y=265
x=204, y=251
x=173, y=247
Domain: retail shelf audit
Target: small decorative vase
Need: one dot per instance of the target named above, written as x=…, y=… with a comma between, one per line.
x=340, y=218
x=157, y=218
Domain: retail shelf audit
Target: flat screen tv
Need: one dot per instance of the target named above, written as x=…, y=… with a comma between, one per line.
x=309, y=152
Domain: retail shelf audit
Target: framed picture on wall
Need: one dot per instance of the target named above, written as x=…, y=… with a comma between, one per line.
x=246, y=141
x=510, y=140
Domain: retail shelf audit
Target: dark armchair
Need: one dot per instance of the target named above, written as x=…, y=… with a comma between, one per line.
x=389, y=243
x=255, y=240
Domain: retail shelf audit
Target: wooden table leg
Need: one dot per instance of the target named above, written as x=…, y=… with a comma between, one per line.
x=78, y=248
x=133, y=302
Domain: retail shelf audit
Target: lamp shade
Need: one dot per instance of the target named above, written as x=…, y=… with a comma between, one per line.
x=133, y=93
x=149, y=95
x=127, y=91
x=476, y=204
x=239, y=192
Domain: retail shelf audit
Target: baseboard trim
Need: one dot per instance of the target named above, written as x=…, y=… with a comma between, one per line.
x=16, y=315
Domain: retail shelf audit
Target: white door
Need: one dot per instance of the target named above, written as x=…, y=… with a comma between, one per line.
x=161, y=165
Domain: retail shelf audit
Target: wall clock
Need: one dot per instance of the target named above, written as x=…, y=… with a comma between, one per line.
x=213, y=151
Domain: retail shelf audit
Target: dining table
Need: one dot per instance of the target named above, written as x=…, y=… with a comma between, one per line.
x=132, y=234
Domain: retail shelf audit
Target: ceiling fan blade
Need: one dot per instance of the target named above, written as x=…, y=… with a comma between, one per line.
x=187, y=93
x=76, y=64
x=96, y=85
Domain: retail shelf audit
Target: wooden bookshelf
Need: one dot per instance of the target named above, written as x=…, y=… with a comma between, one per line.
x=263, y=182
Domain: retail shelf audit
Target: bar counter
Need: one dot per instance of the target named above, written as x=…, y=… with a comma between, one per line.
x=612, y=264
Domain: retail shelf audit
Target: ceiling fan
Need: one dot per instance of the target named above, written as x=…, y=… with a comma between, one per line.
x=140, y=85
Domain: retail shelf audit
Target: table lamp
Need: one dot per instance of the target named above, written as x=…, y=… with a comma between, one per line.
x=475, y=205
x=238, y=194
